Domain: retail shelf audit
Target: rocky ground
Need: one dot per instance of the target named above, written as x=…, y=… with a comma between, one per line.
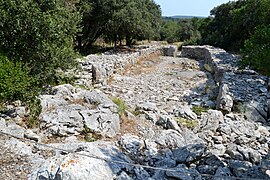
x=197, y=117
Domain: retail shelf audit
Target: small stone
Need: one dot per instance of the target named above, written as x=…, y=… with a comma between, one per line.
x=31, y=135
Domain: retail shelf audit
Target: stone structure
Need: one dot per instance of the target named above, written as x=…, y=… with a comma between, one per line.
x=244, y=91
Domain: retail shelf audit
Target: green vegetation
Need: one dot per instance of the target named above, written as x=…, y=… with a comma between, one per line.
x=176, y=30
x=89, y=136
x=232, y=23
x=199, y=109
x=239, y=107
x=257, y=51
x=36, y=40
x=15, y=81
x=35, y=109
x=122, y=107
x=188, y=123
x=137, y=111
x=242, y=24
x=39, y=34
x=118, y=20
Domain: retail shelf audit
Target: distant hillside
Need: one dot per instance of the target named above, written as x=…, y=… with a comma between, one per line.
x=182, y=17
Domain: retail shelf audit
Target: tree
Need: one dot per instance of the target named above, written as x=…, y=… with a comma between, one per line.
x=256, y=52
x=118, y=19
x=232, y=23
x=96, y=15
x=39, y=33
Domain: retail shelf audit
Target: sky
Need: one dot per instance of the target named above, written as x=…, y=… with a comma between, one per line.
x=188, y=7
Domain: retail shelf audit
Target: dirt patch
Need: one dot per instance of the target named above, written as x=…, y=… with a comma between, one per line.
x=144, y=65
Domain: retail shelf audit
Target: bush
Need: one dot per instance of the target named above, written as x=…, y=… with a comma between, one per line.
x=39, y=34
x=15, y=82
x=256, y=52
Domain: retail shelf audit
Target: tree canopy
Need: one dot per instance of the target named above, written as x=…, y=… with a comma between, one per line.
x=232, y=23
x=117, y=20
x=39, y=34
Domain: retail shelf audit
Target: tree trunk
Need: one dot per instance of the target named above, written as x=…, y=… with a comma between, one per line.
x=128, y=40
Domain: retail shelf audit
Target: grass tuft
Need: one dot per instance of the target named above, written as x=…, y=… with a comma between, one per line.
x=122, y=107
x=188, y=123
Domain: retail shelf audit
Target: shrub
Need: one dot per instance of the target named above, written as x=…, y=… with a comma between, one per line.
x=39, y=34
x=256, y=52
x=15, y=82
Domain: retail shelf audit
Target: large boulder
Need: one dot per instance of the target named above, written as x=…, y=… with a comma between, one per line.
x=189, y=153
x=69, y=110
x=95, y=160
x=210, y=121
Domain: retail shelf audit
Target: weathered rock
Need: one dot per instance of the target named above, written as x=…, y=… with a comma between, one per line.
x=12, y=128
x=182, y=172
x=214, y=160
x=224, y=100
x=141, y=174
x=29, y=134
x=186, y=112
x=250, y=155
x=210, y=121
x=255, y=112
x=168, y=123
x=123, y=176
x=102, y=121
x=148, y=106
x=240, y=168
x=206, y=169
x=233, y=152
x=222, y=173
x=170, y=138
x=131, y=144
x=73, y=166
x=218, y=149
x=151, y=117
x=19, y=147
x=70, y=109
x=189, y=153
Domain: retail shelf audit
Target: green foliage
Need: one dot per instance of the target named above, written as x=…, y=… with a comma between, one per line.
x=256, y=52
x=234, y=22
x=199, y=109
x=15, y=82
x=188, y=123
x=122, y=107
x=35, y=110
x=39, y=34
x=89, y=136
x=137, y=111
x=180, y=30
x=116, y=20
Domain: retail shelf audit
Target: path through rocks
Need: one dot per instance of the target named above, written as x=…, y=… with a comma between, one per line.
x=165, y=82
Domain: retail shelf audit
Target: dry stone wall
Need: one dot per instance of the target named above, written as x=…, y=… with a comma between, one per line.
x=239, y=90
x=97, y=69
